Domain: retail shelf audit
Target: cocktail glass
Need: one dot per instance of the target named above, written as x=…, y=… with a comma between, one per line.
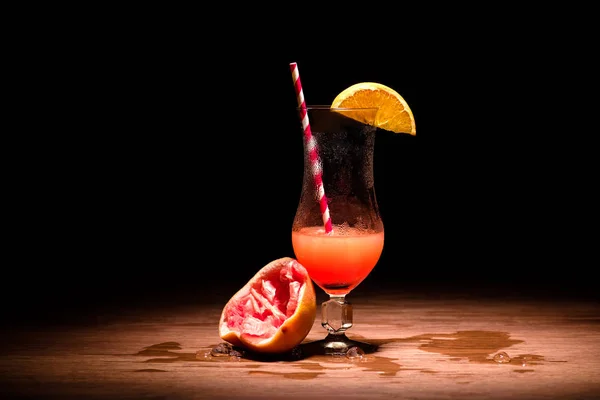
x=340, y=151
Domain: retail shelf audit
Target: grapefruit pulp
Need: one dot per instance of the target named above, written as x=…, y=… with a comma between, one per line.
x=274, y=311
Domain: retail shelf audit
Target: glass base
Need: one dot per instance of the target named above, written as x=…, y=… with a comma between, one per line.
x=336, y=314
x=337, y=345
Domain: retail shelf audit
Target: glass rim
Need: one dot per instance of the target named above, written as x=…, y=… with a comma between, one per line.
x=326, y=107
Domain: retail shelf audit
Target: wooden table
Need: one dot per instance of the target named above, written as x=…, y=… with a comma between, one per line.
x=429, y=347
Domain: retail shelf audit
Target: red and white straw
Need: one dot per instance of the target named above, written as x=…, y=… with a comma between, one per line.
x=311, y=146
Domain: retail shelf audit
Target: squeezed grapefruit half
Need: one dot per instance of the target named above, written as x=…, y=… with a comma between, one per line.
x=274, y=311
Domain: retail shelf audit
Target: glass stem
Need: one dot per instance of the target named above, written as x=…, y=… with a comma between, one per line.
x=336, y=315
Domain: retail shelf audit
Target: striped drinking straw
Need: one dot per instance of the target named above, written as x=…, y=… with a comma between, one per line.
x=311, y=146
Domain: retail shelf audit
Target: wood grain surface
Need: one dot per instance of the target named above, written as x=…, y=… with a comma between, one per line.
x=427, y=348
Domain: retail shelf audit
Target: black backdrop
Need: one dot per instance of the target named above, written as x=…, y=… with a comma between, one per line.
x=173, y=172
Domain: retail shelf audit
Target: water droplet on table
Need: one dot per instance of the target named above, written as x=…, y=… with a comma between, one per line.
x=355, y=353
x=235, y=355
x=221, y=350
x=501, y=358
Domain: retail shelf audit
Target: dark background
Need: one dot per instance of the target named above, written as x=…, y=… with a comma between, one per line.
x=172, y=166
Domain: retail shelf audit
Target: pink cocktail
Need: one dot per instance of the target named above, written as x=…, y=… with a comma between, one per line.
x=337, y=232
x=339, y=261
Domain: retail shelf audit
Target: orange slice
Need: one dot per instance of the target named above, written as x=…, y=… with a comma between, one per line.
x=394, y=113
x=273, y=312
